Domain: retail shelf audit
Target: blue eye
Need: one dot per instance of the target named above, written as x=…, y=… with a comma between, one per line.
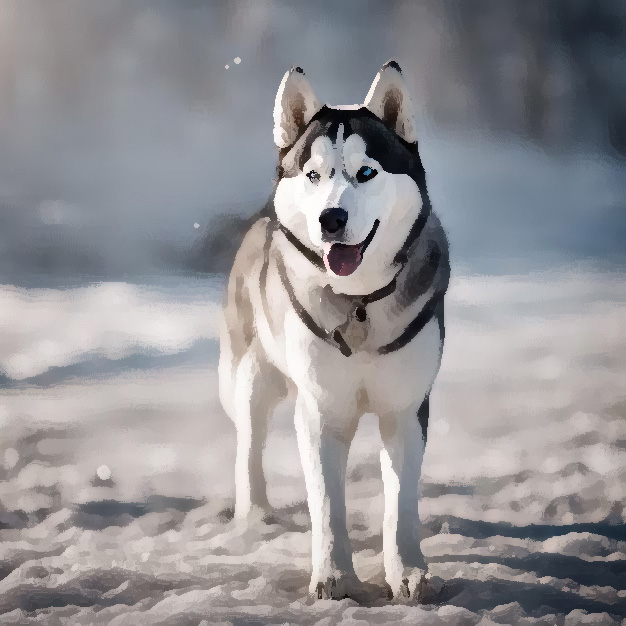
x=365, y=173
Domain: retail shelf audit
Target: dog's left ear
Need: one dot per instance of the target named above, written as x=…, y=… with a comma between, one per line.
x=296, y=104
x=389, y=100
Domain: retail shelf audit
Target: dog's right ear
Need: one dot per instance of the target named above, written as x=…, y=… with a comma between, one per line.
x=296, y=104
x=390, y=101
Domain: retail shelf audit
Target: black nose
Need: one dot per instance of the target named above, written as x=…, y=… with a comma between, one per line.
x=333, y=221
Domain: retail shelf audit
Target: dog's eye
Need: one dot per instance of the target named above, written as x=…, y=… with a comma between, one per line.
x=365, y=173
x=313, y=176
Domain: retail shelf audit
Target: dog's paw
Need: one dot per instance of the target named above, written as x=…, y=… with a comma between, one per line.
x=432, y=590
x=402, y=588
x=254, y=516
x=347, y=586
x=416, y=587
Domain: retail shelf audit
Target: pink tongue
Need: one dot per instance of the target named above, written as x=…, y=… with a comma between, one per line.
x=343, y=260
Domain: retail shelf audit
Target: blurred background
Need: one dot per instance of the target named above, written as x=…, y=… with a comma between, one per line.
x=121, y=128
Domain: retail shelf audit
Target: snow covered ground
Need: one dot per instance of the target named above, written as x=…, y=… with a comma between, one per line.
x=523, y=482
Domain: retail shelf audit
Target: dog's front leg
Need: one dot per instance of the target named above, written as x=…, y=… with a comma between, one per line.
x=401, y=462
x=324, y=443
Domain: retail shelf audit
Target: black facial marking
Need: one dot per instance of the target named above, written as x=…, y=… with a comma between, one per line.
x=395, y=155
x=293, y=158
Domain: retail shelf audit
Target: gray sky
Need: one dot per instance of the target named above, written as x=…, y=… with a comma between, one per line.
x=120, y=127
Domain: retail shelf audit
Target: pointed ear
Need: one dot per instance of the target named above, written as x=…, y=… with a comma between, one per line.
x=389, y=100
x=295, y=105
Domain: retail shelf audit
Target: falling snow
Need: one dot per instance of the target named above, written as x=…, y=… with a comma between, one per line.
x=103, y=472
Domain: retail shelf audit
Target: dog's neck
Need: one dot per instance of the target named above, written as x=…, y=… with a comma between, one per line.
x=313, y=281
x=344, y=320
x=317, y=292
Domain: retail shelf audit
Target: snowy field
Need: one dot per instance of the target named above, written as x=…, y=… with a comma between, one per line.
x=524, y=480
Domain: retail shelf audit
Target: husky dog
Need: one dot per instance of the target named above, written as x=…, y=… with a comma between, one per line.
x=337, y=293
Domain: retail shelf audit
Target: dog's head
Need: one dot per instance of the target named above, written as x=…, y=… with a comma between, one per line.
x=351, y=183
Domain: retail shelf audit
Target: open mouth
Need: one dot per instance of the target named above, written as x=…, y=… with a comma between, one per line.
x=342, y=259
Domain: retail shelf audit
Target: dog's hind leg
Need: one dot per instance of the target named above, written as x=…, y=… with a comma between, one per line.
x=404, y=441
x=258, y=388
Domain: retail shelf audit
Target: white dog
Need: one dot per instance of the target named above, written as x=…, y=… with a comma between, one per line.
x=337, y=292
